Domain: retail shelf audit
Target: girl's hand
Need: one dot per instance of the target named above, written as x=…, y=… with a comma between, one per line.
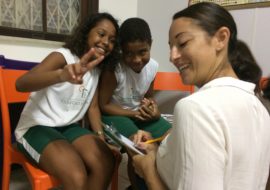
x=74, y=73
x=115, y=150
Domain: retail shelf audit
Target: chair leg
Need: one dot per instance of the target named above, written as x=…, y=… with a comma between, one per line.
x=36, y=185
x=6, y=176
x=114, y=183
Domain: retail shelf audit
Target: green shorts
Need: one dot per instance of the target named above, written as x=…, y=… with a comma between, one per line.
x=127, y=126
x=38, y=137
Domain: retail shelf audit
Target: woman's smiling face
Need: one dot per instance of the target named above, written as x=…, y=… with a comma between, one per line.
x=192, y=51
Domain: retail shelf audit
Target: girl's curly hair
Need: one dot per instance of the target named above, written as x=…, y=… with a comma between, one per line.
x=77, y=42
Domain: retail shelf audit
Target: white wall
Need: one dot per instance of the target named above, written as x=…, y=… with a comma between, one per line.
x=120, y=9
x=158, y=13
x=36, y=50
x=253, y=27
x=26, y=49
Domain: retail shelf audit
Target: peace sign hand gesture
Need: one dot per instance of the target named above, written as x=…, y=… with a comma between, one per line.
x=74, y=73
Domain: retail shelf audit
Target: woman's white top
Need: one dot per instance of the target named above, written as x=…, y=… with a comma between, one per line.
x=132, y=86
x=60, y=104
x=220, y=140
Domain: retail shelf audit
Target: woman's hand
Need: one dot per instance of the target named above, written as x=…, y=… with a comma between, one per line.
x=140, y=139
x=144, y=165
x=74, y=73
x=141, y=136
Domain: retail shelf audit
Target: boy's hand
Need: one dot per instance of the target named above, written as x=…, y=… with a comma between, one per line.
x=148, y=110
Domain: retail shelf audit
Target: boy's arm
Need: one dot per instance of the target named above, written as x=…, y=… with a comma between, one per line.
x=150, y=92
x=107, y=86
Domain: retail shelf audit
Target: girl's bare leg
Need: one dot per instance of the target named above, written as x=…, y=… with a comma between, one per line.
x=61, y=160
x=98, y=159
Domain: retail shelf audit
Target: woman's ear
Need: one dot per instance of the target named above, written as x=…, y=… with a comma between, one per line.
x=222, y=38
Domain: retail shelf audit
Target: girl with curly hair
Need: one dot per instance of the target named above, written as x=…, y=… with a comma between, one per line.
x=63, y=89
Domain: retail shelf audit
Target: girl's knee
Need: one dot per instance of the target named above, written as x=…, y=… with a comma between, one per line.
x=74, y=179
x=107, y=158
x=101, y=153
x=79, y=178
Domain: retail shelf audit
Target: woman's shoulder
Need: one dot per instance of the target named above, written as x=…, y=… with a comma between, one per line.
x=265, y=102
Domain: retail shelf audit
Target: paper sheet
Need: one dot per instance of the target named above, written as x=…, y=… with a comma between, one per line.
x=129, y=144
x=112, y=133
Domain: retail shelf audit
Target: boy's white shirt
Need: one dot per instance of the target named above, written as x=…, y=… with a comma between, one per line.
x=131, y=86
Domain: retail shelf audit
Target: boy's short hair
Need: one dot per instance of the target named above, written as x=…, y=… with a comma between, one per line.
x=134, y=29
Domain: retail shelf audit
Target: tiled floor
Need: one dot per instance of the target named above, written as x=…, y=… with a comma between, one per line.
x=19, y=180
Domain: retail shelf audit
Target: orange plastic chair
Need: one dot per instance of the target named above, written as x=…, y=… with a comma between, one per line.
x=39, y=179
x=171, y=81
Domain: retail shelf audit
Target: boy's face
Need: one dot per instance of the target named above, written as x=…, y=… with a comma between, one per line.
x=136, y=54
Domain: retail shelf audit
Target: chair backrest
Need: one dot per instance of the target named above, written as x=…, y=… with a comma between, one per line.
x=12, y=95
x=9, y=94
x=16, y=64
x=15, y=68
x=171, y=81
x=169, y=88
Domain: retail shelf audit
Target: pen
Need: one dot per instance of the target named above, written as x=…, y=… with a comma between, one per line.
x=159, y=139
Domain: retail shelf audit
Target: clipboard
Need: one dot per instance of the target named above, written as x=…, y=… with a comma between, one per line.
x=120, y=140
